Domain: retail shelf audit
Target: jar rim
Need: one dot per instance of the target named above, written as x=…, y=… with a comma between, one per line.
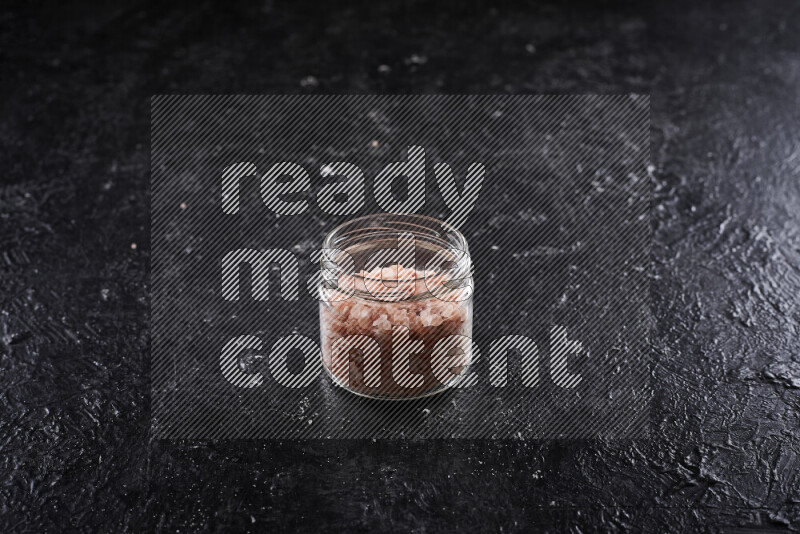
x=364, y=218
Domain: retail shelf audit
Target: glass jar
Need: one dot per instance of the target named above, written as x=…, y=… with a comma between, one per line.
x=395, y=297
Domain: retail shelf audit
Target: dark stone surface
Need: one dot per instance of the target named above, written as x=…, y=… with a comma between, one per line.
x=724, y=453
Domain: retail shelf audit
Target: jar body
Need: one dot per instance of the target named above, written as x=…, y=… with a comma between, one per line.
x=403, y=330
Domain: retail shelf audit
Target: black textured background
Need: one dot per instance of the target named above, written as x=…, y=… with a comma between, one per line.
x=724, y=453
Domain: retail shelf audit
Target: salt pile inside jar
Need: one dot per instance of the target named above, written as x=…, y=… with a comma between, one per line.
x=403, y=333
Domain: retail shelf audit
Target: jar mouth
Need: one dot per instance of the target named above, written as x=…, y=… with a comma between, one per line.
x=430, y=235
x=397, y=223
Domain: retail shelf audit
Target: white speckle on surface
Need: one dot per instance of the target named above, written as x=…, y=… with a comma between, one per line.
x=309, y=81
x=416, y=59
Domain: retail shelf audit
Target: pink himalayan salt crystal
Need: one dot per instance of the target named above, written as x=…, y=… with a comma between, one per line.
x=430, y=319
x=401, y=317
x=383, y=322
x=391, y=283
x=362, y=315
